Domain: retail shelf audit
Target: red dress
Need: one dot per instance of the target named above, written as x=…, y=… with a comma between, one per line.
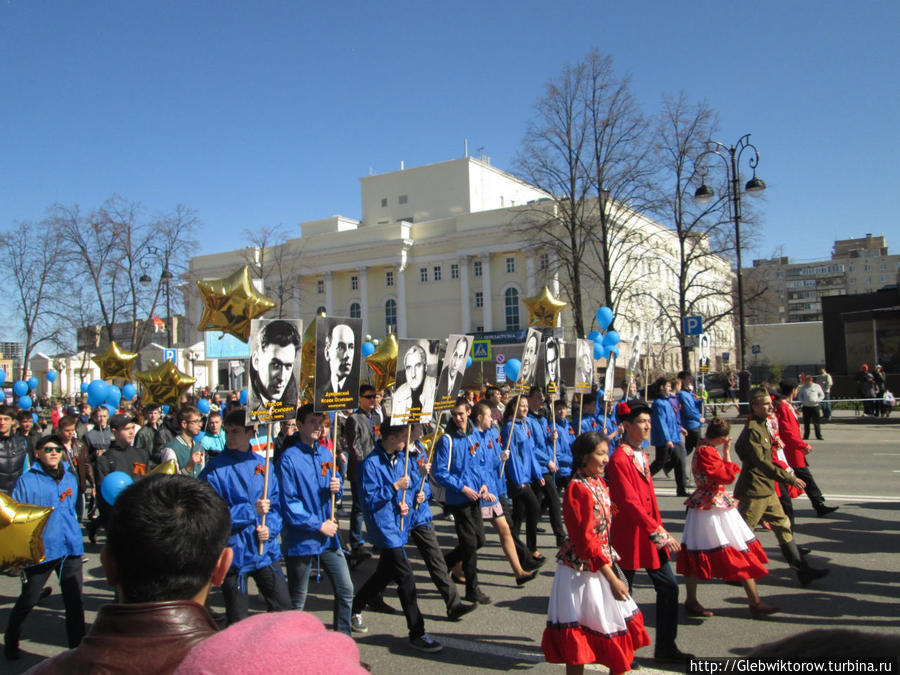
x=717, y=542
x=585, y=623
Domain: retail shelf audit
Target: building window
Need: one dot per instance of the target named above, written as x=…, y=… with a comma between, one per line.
x=320, y=286
x=355, y=310
x=544, y=261
x=512, y=309
x=383, y=202
x=389, y=278
x=423, y=275
x=354, y=283
x=479, y=329
x=884, y=267
x=454, y=271
x=479, y=299
x=320, y=310
x=511, y=265
x=437, y=272
x=390, y=316
x=402, y=199
x=476, y=269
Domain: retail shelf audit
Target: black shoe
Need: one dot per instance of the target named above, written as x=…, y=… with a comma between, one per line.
x=807, y=575
x=379, y=605
x=825, y=510
x=45, y=592
x=819, y=438
x=681, y=493
x=11, y=651
x=533, y=563
x=458, y=612
x=425, y=643
x=540, y=529
x=477, y=597
x=92, y=531
x=521, y=581
x=671, y=654
x=804, y=550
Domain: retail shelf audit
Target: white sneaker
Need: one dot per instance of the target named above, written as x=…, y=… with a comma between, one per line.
x=357, y=625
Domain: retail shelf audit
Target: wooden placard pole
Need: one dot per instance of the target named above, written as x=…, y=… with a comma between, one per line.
x=580, y=402
x=512, y=428
x=553, y=417
x=437, y=429
x=333, y=460
x=405, y=468
x=265, y=494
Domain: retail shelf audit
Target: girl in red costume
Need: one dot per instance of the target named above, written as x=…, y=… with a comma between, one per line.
x=717, y=542
x=591, y=618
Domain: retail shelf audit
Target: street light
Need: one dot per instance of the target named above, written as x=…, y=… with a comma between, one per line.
x=754, y=187
x=166, y=277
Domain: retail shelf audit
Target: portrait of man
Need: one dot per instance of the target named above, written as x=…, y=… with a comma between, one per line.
x=529, y=360
x=584, y=366
x=551, y=365
x=451, y=378
x=274, y=364
x=337, y=363
x=415, y=380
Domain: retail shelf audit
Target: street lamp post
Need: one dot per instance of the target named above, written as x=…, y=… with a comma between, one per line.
x=731, y=156
x=166, y=277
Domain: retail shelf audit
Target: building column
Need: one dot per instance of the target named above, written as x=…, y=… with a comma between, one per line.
x=329, y=293
x=364, y=298
x=401, y=301
x=529, y=273
x=465, y=300
x=486, y=290
x=295, y=295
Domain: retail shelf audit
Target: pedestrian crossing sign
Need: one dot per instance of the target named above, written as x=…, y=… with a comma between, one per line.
x=481, y=350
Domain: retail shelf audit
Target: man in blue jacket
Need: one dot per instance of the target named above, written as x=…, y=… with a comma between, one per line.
x=665, y=435
x=305, y=478
x=542, y=436
x=386, y=496
x=691, y=412
x=238, y=474
x=49, y=483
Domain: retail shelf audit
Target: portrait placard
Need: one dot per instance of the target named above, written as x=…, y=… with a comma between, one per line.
x=551, y=362
x=584, y=365
x=529, y=361
x=274, y=368
x=609, y=380
x=338, y=341
x=415, y=380
x=453, y=368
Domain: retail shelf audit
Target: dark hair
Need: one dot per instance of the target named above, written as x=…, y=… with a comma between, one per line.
x=47, y=439
x=166, y=534
x=281, y=333
x=586, y=399
x=480, y=409
x=67, y=421
x=584, y=445
x=510, y=410
x=305, y=411
x=534, y=389
x=718, y=427
x=235, y=418
x=7, y=410
x=25, y=415
x=787, y=386
x=388, y=430
x=213, y=413
x=186, y=412
x=657, y=389
x=489, y=391
x=365, y=389
x=683, y=374
x=149, y=407
x=633, y=412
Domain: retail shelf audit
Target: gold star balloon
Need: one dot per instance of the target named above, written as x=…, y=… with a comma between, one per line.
x=231, y=303
x=21, y=532
x=168, y=468
x=544, y=309
x=115, y=363
x=383, y=362
x=165, y=384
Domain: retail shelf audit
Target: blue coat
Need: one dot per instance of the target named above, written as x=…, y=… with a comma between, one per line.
x=304, y=474
x=380, y=502
x=421, y=513
x=522, y=466
x=564, y=447
x=664, y=427
x=457, y=464
x=238, y=477
x=690, y=410
x=490, y=448
x=62, y=534
x=543, y=444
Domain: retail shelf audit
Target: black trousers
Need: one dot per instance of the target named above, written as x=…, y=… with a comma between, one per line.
x=525, y=506
x=393, y=566
x=676, y=456
x=271, y=584
x=786, y=502
x=426, y=541
x=68, y=570
x=550, y=496
x=692, y=440
x=470, y=532
x=666, y=600
x=812, y=489
x=811, y=415
x=521, y=552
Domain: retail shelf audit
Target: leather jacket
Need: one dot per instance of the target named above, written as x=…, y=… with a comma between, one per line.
x=149, y=637
x=80, y=460
x=13, y=450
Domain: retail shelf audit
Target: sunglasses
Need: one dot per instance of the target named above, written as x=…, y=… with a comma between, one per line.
x=51, y=448
x=369, y=396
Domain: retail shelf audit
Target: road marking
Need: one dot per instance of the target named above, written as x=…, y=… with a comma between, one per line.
x=886, y=454
x=669, y=492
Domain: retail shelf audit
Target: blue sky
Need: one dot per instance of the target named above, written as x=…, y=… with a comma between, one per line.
x=260, y=113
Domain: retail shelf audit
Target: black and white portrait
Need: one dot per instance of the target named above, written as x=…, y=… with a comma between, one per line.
x=584, y=366
x=529, y=360
x=415, y=379
x=337, y=363
x=552, y=365
x=274, y=369
x=450, y=380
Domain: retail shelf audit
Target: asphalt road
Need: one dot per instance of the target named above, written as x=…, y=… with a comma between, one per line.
x=857, y=466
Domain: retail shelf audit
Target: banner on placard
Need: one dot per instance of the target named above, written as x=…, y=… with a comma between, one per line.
x=551, y=362
x=338, y=342
x=584, y=365
x=274, y=369
x=453, y=369
x=529, y=361
x=416, y=377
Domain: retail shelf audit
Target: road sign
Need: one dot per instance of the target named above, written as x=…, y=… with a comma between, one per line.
x=501, y=358
x=755, y=349
x=693, y=325
x=726, y=357
x=481, y=350
x=501, y=373
x=170, y=355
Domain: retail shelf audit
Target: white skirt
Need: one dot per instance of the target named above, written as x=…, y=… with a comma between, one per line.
x=585, y=598
x=709, y=529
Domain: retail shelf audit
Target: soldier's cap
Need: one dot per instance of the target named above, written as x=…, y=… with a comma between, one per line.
x=759, y=395
x=119, y=421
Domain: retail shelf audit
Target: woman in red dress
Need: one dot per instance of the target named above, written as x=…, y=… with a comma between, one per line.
x=590, y=618
x=717, y=542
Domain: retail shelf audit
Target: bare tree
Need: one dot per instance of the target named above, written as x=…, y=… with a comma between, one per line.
x=275, y=260
x=32, y=254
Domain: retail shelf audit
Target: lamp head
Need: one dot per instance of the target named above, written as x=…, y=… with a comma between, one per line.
x=704, y=194
x=755, y=186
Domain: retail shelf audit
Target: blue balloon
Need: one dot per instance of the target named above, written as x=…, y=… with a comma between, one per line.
x=34, y=417
x=595, y=335
x=113, y=395
x=368, y=348
x=129, y=391
x=613, y=350
x=20, y=387
x=112, y=409
x=84, y=387
x=51, y=376
x=2, y=376
x=604, y=317
x=96, y=392
x=599, y=350
x=244, y=396
x=203, y=406
x=199, y=437
x=25, y=403
x=512, y=369
x=469, y=362
x=611, y=338
x=165, y=408
x=113, y=484
x=32, y=382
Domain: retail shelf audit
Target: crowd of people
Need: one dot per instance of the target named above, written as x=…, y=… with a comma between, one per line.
x=496, y=457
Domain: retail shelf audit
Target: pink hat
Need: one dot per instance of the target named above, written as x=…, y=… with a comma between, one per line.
x=276, y=642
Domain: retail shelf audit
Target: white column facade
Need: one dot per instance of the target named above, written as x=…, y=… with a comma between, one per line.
x=401, y=302
x=295, y=294
x=486, y=290
x=329, y=293
x=529, y=273
x=364, y=298
x=465, y=300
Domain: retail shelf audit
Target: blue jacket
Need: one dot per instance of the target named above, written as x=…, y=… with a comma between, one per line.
x=591, y=423
x=690, y=410
x=457, y=464
x=238, y=477
x=522, y=466
x=543, y=444
x=564, y=447
x=304, y=474
x=62, y=534
x=380, y=502
x=213, y=443
x=489, y=462
x=421, y=513
x=664, y=427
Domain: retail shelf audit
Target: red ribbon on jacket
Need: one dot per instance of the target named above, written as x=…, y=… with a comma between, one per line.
x=259, y=469
x=67, y=493
x=139, y=469
x=326, y=467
